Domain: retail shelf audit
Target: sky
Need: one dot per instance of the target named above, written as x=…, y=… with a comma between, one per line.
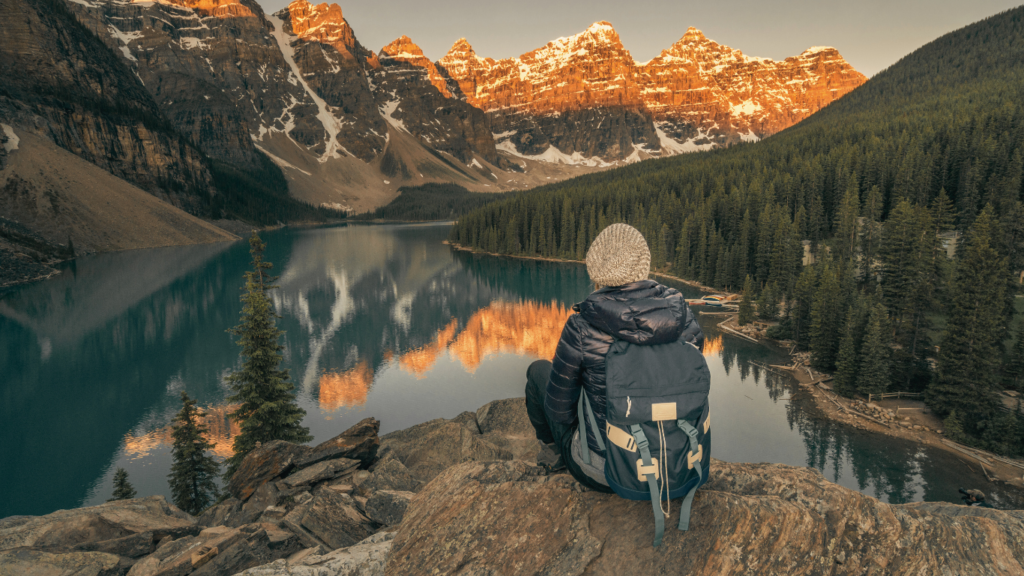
x=870, y=34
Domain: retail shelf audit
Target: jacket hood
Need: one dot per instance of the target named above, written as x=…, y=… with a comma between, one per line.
x=643, y=312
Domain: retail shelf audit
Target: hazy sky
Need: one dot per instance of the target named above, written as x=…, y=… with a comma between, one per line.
x=870, y=34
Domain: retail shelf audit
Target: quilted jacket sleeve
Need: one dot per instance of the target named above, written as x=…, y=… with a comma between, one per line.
x=564, y=385
x=691, y=329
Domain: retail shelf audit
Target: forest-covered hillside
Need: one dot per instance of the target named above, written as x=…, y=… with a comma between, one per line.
x=432, y=201
x=932, y=145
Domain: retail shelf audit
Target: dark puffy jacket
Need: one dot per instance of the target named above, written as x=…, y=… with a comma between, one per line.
x=643, y=312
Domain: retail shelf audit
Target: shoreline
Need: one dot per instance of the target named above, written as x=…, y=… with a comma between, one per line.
x=923, y=427
x=907, y=419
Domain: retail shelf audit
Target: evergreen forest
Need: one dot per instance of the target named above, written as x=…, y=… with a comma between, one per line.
x=885, y=233
x=432, y=201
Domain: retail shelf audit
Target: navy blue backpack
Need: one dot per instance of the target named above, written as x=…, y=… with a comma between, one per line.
x=658, y=425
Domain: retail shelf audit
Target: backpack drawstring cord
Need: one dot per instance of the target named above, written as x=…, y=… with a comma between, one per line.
x=663, y=486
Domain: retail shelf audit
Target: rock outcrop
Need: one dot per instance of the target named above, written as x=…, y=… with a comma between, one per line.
x=750, y=518
x=479, y=506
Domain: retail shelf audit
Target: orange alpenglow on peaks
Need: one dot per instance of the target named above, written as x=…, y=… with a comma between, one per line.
x=217, y=8
x=323, y=23
x=586, y=70
x=695, y=82
x=403, y=49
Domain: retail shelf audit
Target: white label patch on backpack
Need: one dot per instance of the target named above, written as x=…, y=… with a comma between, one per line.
x=629, y=406
x=664, y=411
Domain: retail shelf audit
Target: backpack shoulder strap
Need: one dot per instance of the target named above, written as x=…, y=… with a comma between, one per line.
x=585, y=414
x=694, y=461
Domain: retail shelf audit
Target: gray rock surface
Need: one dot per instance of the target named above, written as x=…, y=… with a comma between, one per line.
x=389, y=474
x=321, y=471
x=27, y=562
x=360, y=442
x=387, y=507
x=428, y=449
x=272, y=460
x=112, y=520
x=333, y=519
x=749, y=518
x=366, y=558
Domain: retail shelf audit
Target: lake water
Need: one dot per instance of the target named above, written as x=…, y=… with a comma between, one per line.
x=382, y=321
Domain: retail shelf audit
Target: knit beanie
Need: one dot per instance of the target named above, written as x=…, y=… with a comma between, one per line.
x=619, y=255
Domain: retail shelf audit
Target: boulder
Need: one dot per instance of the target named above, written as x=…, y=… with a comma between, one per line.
x=253, y=550
x=429, y=448
x=177, y=558
x=505, y=424
x=222, y=514
x=65, y=529
x=28, y=562
x=366, y=558
x=359, y=442
x=136, y=545
x=504, y=518
x=293, y=522
x=333, y=519
x=468, y=419
x=321, y=471
x=388, y=474
x=271, y=460
x=387, y=507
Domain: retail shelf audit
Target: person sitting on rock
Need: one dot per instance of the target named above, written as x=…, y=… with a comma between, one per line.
x=626, y=304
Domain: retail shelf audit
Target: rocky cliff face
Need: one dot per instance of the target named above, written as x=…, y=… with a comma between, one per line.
x=699, y=94
x=414, y=98
x=578, y=94
x=61, y=83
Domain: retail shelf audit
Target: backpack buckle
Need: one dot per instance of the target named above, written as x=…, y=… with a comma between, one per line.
x=695, y=458
x=642, y=471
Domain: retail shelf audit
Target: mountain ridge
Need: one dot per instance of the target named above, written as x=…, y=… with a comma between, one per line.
x=296, y=92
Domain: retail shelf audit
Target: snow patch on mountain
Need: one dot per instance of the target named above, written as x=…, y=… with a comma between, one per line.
x=282, y=163
x=12, y=139
x=330, y=123
x=554, y=156
x=388, y=109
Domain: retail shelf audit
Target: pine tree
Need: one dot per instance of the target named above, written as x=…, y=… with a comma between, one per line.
x=267, y=408
x=848, y=361
x=873, y=374
x=968, y=357
x=803, y=296
x=953, y=427
x=746, y=315
x=1013, y=370
x=123, y=490
x=827, y=315
x=193, y=473
x=768, y=303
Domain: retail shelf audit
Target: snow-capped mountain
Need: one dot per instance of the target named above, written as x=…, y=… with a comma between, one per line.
x=695, y=95
x=348, y=126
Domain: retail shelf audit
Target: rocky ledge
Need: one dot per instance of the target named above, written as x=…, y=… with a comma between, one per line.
x=461, y=496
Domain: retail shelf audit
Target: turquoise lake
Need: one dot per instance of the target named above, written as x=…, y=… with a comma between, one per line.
x=382, y=321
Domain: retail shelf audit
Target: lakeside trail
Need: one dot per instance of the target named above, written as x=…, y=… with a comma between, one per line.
x=462, y=496
x=901, y=418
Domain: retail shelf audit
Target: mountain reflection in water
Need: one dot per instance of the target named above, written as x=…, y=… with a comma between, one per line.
x=382, y=321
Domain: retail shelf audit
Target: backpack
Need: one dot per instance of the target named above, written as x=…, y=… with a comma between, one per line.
x=658, y=425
